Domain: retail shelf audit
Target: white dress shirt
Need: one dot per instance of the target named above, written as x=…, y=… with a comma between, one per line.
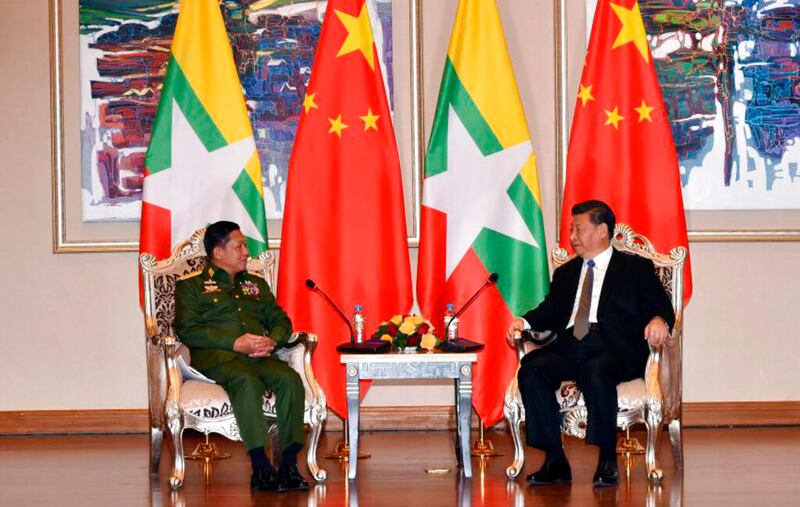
x=601, y=261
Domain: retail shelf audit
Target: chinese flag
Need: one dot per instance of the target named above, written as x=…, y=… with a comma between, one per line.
x=344, y=224
x=621, y=149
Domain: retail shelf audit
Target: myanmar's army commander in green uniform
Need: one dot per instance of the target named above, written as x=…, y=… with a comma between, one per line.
x=231, y=323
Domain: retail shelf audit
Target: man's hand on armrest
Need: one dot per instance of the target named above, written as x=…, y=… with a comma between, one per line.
x=516, y=326
x=254, y=345
x=656, y=332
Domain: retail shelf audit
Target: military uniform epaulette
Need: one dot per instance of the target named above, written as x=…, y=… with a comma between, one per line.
x=190, y=275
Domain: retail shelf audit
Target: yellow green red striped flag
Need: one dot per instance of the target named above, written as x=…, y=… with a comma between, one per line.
x=481, y=206
x=201, y=163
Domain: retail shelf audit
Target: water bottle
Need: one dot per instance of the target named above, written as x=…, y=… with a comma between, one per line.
x=358, y=323
x=452, y=331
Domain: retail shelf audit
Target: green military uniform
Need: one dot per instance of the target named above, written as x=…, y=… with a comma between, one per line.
x=211, y=312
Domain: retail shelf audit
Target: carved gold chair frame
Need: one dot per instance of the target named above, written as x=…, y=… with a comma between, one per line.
x=173, y=402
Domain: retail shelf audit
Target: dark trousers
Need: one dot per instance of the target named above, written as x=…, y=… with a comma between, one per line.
x=245, y=380
x=597, y=373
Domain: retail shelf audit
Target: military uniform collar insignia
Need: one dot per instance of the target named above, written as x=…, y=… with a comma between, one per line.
x=217, y=274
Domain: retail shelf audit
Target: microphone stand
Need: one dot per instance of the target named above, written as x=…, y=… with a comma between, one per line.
x=351, y=347
x=462, y=344
x=483, y=448
x=341, y=451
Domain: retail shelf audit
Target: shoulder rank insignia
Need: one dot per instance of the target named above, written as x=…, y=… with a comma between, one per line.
x=190, y=275
x=249, y=288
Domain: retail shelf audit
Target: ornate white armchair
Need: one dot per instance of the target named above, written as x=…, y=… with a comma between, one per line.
x=176, y=403
x=654, y=400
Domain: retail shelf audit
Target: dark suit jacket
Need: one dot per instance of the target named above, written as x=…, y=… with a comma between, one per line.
x=631, y=296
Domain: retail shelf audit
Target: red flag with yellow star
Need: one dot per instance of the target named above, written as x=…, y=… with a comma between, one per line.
x=344, y=224
x=621, y=149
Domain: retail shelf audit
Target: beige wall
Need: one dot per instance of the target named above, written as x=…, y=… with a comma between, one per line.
x=72, y=332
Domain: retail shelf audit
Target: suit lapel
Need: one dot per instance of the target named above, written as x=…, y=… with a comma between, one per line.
x=611, y=274
x=571, y=290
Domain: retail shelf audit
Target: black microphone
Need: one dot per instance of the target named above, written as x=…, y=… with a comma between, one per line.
x=311, y=284
x=462, y=344
x=353, y=347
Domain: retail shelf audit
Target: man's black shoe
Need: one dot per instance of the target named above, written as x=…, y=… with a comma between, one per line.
x=265, y=479
x=290, y=478
x=607, y=474
x=551, y=473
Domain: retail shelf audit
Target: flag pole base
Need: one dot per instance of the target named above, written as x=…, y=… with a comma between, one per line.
x=627, y=445
x=206, y=453
x=342, y=450
x=483, y=447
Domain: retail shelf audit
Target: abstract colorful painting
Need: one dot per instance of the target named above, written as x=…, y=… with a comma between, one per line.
x=124, y=48
x=730, y=74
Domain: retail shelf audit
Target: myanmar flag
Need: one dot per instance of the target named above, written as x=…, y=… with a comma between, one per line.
x=344, y=225
x=620, y=148
x=201, y=164
x=481, y=207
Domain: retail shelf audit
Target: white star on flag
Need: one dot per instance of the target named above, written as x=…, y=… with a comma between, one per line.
x=473, y=191
x=198, y=187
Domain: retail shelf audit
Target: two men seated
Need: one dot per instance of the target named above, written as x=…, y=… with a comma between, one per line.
x=604, y=305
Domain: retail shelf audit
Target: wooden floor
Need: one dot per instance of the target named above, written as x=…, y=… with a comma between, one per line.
x=725, y=467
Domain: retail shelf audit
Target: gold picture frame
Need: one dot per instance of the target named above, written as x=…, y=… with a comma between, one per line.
x=704, y=226
x=70, y=235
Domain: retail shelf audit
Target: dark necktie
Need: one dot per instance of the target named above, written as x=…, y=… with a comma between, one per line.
x=581, y=327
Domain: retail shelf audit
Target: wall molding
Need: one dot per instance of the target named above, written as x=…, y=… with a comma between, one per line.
x=67, y=422
x=741, y=413
x=387, y=418
x=404, y=418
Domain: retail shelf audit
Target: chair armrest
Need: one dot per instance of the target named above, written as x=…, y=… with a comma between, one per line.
x=519, y=346
x=151, y=330
x=298, y=338
x=660, y=373
x=298, y=352
x=667, y=368
x=158, y=350
x=652, y=376
x=677, y=331
x=174, y=376
x=154, y=338
x=523, y=346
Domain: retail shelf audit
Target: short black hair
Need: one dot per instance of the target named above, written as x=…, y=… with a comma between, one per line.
x=599, y=213
x=218, y=234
